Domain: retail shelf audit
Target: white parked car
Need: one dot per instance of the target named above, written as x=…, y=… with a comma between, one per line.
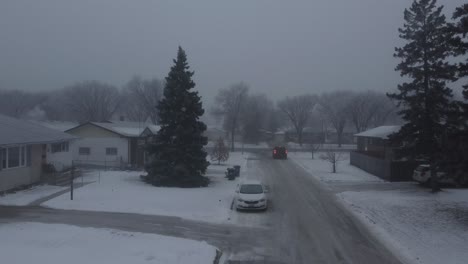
x=422, y=174
x=251, y=195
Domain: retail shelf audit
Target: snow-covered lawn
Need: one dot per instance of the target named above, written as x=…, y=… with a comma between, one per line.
x=419, y=227
x=123, y=191
x=424, y=227
x=322, y=169
x=28, y=196
x=57, y=244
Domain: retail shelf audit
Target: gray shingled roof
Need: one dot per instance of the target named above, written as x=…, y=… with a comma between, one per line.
x=14, y=131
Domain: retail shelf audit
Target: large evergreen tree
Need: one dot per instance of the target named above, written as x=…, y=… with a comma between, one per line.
x=425, y=98
x=178, y=157
x=461, y=48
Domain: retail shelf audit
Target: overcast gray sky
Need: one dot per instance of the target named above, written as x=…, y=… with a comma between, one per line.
x=278, y=47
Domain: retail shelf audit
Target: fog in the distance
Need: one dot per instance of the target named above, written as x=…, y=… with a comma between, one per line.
x=278, y=47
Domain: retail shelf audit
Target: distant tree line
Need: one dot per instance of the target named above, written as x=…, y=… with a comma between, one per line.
x=247, y=115
x=87, y=101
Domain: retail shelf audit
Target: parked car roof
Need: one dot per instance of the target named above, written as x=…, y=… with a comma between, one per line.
x=15, y=131
x=244, y=182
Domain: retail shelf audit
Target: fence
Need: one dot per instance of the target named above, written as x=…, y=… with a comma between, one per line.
x=373, y=165
x=101, y=164
x=389, y=170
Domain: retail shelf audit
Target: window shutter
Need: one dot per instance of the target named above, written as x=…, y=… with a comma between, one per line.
x=28, y=155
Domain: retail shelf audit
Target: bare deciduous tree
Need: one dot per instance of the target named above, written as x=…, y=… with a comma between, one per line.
x=55, y=106
x=334, y=107
x=220, y=152
x=314, y=145
x=333, y=158
x=298, y=110
x=92, y=101
x=369, y=109
x=229, y=103
x=387, y=113
x=17, y=103
x=140, y=98
x=254, y=116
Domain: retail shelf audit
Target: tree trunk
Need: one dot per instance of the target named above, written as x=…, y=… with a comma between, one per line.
x=299, y=137
x=334, y=166
x=232, y=139
x=340, y=135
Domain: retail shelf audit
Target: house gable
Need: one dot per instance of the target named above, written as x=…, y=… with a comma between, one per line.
x=90, y=130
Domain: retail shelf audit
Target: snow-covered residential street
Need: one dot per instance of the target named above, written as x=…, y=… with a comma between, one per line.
x=420, y=227
x=417, y=226
x=57, y=244
x=123, y=191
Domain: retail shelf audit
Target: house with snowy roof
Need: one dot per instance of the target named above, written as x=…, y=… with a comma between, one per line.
x=25, y=147
x=375, y=155
x=111, y=144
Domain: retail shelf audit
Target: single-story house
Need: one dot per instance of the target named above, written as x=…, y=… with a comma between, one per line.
x=213, y=133
x=375, y=155
x=111, y=144
x=25, y=147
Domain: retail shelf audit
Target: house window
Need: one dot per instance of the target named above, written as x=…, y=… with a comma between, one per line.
x=84, y=151
x=111, y=151
x=13, y=157
x=59, y=147
x=3, y=155
x=23, y=150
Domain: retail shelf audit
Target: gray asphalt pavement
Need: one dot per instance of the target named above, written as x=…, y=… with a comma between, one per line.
x=304, y=224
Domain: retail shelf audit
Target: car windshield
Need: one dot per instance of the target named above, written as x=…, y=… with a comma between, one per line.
x=251, y=189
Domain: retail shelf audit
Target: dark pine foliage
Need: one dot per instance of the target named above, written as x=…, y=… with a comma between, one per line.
x=461, y=49
x=425, y=99
x=178, y=157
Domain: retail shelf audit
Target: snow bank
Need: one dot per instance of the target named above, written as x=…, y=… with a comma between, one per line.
x=57, y=244
x=421, y=226
x=123, y=191
x=28, y=196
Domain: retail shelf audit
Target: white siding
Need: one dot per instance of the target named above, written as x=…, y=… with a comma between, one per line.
x=98, y=151
x=60, y=160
